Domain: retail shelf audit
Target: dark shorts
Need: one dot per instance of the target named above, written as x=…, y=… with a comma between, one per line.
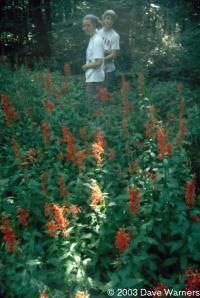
x=110, y=81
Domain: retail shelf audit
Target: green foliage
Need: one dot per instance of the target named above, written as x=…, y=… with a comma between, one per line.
x=164, y=237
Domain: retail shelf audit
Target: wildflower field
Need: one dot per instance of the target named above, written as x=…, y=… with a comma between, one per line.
x=98, y=200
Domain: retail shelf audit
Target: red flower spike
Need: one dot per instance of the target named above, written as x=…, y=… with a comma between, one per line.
x=49, y=105
x=163, y=149
x=96, y=195
x=67, y=70
x=45, y=129
x=9, y=235
x=160, y=288
x=190, y=193
x=122, y=240
x=44, y=295
x=8, y=108
x=48, y=83
x=52, y=227
x=134, y=199
x=23, y=215
x=81, y=294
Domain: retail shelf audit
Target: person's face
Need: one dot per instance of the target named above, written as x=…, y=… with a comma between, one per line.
x=108, y=22
x=88, y=27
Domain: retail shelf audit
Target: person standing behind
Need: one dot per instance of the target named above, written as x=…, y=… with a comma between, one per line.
x=111, y=46
x=94, y=70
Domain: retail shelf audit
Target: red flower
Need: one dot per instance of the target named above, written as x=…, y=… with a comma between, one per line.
x=65, y=234
x=152, y=109
x=80, y=157
x=58, y=95
x=49, y=105
x=48, y=82
x=66, y=88
x=163, y=149
x=182, y=127
x=60, y=156
x=44, y=179
x=31, y=152
x=16, y=148
x=160, y=288
x=134, y=199
x=134, y=167
x=74, y=209
x=122, y=240
x=44, y=295
x=59, y=216
x=124, y=123
x=67, y=69
x=48, y=209
x=195, y=218
x=192, y=279
x=100, y=138
x=112, y=154
x=125, y=86
x=168, y=149
x=8, y=108
x=97, y=150
x=69, y=139
x=161, y=142
x=151, y=176
x=190, y=193
x=98, y=146
x=182, y=132
x=52, y=227
x=96, y=195
x=45, y=129
x=81, y=294
x=23, y=215
x=28, y=110
x=9, y=235
x=61, y=185
x=148, y=126
x=83, y=133
x=104, y=95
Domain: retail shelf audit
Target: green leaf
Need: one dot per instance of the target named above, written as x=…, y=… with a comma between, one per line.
x=170, y=262
x=176, y=246
x=33, y=262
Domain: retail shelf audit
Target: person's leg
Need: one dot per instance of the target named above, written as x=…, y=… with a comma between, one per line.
x=98, y=85
x=92, y=95
x=110, y=81
x=89, y=95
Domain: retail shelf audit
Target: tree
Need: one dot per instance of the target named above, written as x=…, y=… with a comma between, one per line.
x=41, y=34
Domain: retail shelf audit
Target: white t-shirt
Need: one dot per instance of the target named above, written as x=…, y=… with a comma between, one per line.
x=111, y=42
x=95, y=50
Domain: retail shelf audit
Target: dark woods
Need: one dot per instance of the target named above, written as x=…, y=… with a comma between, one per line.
x=160, y=37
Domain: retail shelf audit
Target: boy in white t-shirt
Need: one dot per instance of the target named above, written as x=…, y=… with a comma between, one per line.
x=94, y=72
x=111, y=47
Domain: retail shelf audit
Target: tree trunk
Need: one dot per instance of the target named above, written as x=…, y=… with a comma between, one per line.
x=43, y=46
x=48, y=16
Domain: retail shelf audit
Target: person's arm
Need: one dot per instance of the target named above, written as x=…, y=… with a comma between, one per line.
x=111, y=56
x=94, y=64
x=115, y=48
x=98, y=57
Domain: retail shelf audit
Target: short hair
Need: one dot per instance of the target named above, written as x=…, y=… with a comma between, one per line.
x=111, y=13
x=94, y=19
